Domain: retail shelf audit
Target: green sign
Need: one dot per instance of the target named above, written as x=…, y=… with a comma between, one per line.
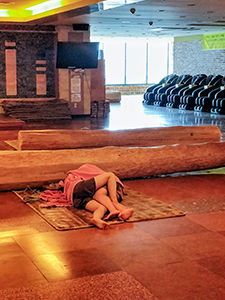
x=214, y=41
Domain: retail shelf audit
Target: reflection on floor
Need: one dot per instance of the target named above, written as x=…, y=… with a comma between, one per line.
x=179, y=258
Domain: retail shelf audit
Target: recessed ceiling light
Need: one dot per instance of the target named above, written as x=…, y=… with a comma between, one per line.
x=4, y=13
x=44, y=6
x=157, y=29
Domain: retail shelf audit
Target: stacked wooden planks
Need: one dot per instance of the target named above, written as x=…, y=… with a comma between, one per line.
x=28, y=110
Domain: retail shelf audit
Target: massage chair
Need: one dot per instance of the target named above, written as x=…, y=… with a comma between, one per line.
x=150, y=96
x=218, y=103
x=187, y=100
x=174, y=98
x=150, y=88
x=203, y=101
x=162, y=95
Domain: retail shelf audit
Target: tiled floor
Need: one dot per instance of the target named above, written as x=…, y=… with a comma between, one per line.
x=180, y=258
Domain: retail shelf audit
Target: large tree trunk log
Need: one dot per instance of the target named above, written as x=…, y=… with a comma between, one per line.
x=71, y=139
x=33, y=168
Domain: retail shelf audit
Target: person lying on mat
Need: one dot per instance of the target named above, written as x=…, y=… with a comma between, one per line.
x=93, y=189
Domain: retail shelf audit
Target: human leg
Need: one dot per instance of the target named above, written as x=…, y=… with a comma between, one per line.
x=110, y=180
x=125, y=212
x=101, y=196
x=99, y=211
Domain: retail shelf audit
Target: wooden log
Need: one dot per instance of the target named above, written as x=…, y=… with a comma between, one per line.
x=33, y=168
x=72, y=139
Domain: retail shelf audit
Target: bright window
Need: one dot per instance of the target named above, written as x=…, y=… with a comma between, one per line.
x=114, y=53
x=136, y=61
x=157, y=60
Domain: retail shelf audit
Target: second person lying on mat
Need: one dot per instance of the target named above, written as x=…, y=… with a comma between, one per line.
x=100, y=194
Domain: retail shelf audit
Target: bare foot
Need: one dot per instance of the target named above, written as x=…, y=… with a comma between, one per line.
x=112, y=215
x=100, y=223
x=126, y=213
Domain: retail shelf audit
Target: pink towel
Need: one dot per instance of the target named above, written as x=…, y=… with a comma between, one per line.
x=65, y=198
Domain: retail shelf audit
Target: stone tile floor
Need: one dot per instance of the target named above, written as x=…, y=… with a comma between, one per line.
x=178, y=258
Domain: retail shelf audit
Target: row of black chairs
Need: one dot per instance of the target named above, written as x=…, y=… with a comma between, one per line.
x=200, y=92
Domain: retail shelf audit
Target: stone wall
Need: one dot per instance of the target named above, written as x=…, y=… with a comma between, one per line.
x=27, y=62
x=190, y=58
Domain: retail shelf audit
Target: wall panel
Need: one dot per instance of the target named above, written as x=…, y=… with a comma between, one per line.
x=22, y=71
